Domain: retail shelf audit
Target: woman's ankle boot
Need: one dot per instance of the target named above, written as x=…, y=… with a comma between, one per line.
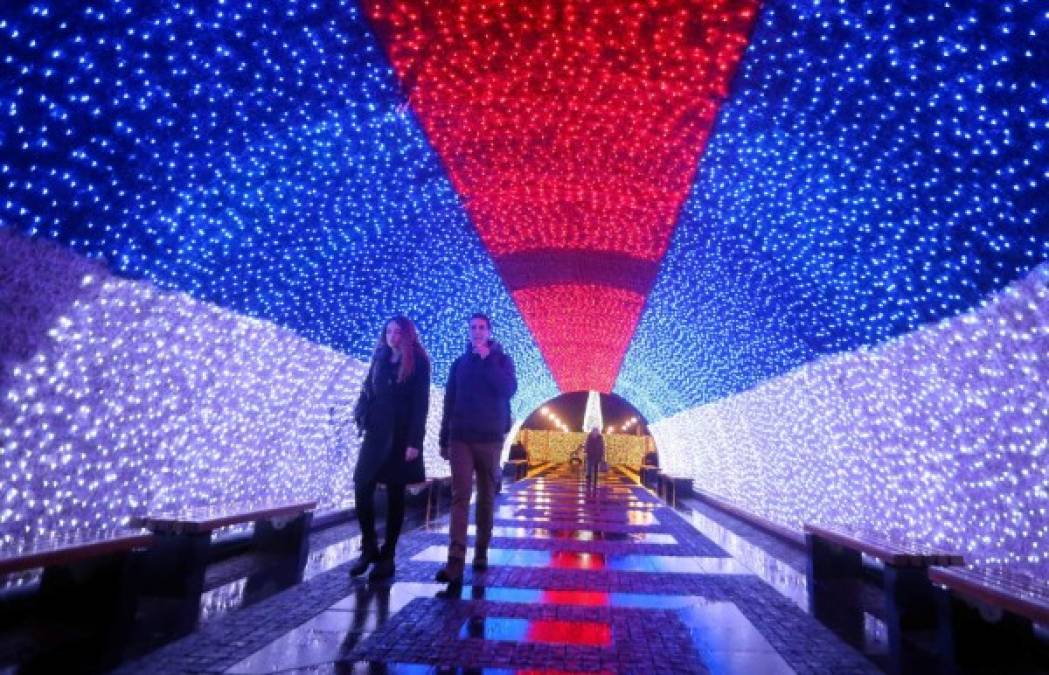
x=369, y=554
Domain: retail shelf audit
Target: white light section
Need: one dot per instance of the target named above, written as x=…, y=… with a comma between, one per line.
x=119, y=398
x=944, y=432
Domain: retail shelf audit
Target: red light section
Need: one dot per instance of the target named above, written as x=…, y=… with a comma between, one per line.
x=582, y=331
x=574, y=126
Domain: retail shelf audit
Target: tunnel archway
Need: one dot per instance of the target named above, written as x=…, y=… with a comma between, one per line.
x=556, y=429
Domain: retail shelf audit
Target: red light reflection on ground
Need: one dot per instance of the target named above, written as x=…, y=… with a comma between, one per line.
x=576, y=560
x=588, y=598
x=588, y=633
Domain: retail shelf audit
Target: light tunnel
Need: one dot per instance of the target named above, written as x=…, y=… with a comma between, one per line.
x=808, y=240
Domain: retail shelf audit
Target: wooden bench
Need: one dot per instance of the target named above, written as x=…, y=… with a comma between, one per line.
x=987, y=615
x=670, y=487
x=835, y=571
x=54, y=554
x=89, y=586
x=176, y=564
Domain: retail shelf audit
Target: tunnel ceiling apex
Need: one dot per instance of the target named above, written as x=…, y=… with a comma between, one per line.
x=571, y=132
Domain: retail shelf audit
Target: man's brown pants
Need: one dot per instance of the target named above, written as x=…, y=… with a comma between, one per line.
x=467, y=459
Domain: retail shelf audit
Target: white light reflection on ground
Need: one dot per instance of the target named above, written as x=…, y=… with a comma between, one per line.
x=788, y=581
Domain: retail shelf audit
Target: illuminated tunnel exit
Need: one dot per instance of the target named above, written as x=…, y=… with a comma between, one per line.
x=556, y=432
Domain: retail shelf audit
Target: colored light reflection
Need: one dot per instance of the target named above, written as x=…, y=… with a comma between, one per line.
x=583, y=598
x=586, y=598
x=547, y=631
x=577, y=560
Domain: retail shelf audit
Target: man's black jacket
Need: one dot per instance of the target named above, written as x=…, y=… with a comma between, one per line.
x=477, y=398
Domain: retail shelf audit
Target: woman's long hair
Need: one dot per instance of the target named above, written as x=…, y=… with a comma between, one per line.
x=411, y=348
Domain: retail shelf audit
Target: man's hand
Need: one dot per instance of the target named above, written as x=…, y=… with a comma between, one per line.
x=444, y=452
x=482, y=349
x=410, y=454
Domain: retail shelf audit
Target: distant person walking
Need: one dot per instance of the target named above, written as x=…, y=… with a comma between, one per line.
x=475, y=422
x=391, y=411
x=595, y=454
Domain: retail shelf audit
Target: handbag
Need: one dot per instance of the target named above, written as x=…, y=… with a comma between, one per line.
x=364, y=402
x=360, y=411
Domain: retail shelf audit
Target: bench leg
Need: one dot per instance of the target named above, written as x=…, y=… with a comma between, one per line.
x=95, y=599
x=174, y=568
x=834, y=582
x=909, y=615
x=286, y=545
x=175, y=564
x=967, y=641
x=285, y=538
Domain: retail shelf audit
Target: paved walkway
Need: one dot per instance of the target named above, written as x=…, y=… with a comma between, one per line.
x=606, y=580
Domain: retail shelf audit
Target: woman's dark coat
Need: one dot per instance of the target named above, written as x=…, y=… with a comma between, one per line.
x=393, y=418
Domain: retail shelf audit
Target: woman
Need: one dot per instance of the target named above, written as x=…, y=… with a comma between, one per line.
x=391, y=411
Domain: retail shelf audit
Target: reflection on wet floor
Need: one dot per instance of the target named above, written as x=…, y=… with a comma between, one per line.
x=562, y=533
x=333, y=555
x=264, y=580
x=533, y=596
x=221, y=599
x=557, y=597
x=583, y=517
x=788, y=580
x=721, y=634
x=552, y=631
x=580, y=503
x=786, y=577
x=591, y=561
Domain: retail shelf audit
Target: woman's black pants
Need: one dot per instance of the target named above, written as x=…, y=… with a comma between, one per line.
x=365, y=496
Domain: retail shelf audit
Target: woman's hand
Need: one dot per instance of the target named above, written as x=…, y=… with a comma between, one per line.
x=410, y=454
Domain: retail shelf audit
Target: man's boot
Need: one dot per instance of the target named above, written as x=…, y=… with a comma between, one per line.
x=452, y=573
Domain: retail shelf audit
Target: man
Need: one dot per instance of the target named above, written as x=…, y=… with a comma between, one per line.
x=476, y=419
x=595, y=454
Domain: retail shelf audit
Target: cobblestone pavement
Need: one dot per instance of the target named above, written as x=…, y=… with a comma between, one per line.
x=579, y=581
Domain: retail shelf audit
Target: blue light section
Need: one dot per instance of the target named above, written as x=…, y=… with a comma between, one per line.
x=255, y=155
x=877, y=166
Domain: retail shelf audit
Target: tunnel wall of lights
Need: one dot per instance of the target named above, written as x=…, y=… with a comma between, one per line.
x=257, y=158
x=836, y=281
x=121, y=398
x=877, y=166
x=943, y=432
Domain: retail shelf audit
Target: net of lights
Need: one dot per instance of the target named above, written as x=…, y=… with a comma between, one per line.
x=571, y=129
x=877, y=166
x=835, y=294
x=224, y=249
x=831, y=328
x=943, y=432
x=304, y=194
